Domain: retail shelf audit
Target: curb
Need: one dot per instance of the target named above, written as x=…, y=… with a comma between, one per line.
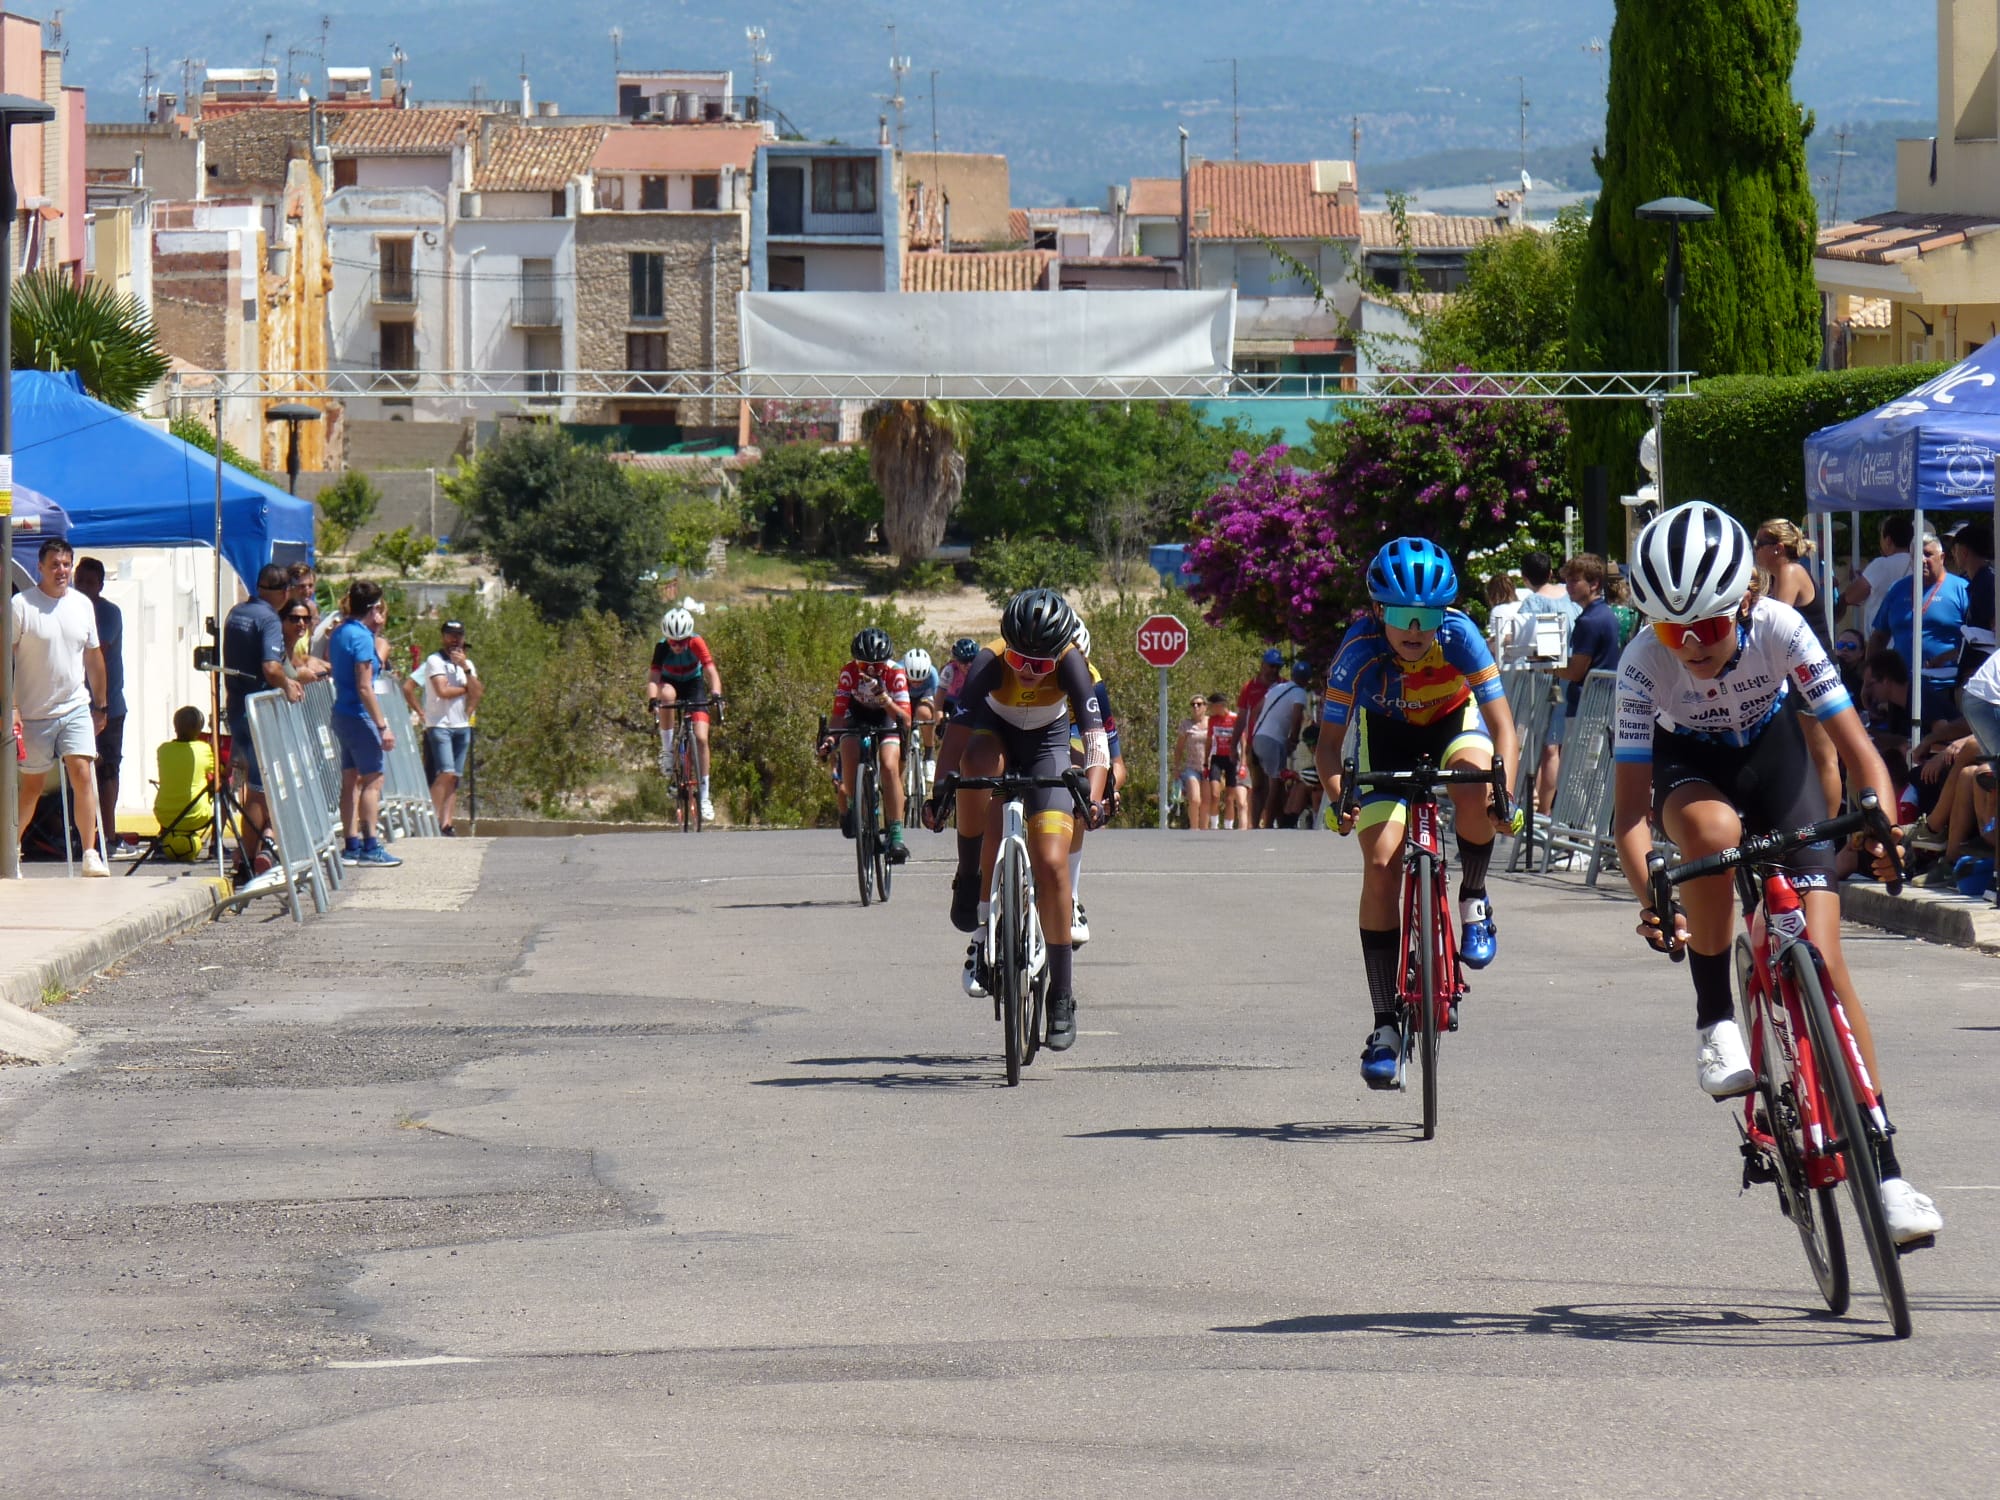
x=556, y=828
x=30, y=1032
x=1935, y=916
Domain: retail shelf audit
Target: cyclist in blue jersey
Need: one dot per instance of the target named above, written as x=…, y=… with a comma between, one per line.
x=1413, y=679
x=925, y=714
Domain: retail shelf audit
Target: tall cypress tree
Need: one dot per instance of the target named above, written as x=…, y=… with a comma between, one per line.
x=1700, y=107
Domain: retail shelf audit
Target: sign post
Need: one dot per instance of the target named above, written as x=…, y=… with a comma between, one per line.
x=1163, y=641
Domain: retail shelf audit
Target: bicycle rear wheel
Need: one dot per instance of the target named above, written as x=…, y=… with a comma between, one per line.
x=1812, y=1211
x=1864, y=1181
x=1424, y=872
x=881, y=851
x=864, y=829
x=1011, y=966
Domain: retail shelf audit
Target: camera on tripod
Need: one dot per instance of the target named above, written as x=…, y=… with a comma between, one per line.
x=208, y=655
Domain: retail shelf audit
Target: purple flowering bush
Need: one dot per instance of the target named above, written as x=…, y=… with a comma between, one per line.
x=1284, y=548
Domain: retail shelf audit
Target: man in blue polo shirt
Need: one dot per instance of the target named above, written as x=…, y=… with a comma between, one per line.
x=253, y=653
x=1935, y=653
x=361, y=725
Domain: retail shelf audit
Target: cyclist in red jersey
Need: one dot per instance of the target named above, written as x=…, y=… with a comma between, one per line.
x=1228, y=798
x=873, y=693
x=683, y=678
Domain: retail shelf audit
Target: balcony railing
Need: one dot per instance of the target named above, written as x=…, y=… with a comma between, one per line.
x=536, y=310
x=396, y=287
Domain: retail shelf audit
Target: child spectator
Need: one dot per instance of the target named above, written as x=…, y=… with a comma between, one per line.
x=184, y=804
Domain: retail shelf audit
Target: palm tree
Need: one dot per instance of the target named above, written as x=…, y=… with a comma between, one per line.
x=916, y=453
x=107, y=339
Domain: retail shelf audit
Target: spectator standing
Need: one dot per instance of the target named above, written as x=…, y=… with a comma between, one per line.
x=1972, y=559
x=360, y=725
x=1272, y=741
x=300, y=664
x=1933, y=648
x=1890, y=566
x=1503, y=620
x=59, y=702
x=1547, y=614
x=451, y=692
x=111, y=738
x=1780, y=551
x=1191, y=761
x=1248, y=703
x=253, y=655
x=1593, y=639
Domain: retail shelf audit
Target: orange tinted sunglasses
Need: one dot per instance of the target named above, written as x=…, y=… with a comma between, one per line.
x=1029, y=666
x=1674, y=635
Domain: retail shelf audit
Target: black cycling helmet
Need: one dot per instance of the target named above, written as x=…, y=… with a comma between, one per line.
x=1038, y=622
x=872, y=644
x=965, y=649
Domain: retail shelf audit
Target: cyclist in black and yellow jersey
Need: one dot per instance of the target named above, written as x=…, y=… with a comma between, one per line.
x=1014, y=717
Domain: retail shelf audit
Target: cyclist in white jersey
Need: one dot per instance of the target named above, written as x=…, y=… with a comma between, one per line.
x=1708, y=743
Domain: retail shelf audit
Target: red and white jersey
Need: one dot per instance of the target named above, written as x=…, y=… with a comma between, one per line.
x=1221, y=733
x=874, y=687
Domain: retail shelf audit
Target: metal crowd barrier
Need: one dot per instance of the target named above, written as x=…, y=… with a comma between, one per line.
x=323, y=750
x=1580, y=821
x=1530, y=695
x=406, y=795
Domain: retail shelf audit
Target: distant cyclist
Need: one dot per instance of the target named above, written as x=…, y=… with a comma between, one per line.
x=1079, y=927
x=964, y=652
x=1709, y=745
x=873, y=692
x=924, y=706
x=683, y=679
x=1014, y=714
x=1414, y=679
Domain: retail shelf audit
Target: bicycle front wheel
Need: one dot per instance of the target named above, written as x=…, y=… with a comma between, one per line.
x=1813, y=1212
x=864, y=830
x=1864, y=1180
x=1424, y=871
x=1011, y=965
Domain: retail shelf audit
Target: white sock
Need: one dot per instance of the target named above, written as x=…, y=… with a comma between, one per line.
x=704, y=788
x=1075, y=873
x=985, y=911
x=1215, y=820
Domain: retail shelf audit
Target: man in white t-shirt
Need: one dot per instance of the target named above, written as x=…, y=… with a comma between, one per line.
x=59, y=692
x=451, y=692
x=1273, y=733
x=1890, y=567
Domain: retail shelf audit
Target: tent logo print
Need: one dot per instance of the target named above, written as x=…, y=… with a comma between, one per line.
x=1968, y=469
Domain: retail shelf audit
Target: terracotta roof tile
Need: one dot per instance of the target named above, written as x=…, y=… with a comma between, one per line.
x=401, y=132
x=536, y=158
x=1873, y=313
x=1155, y=198
x=1017, y=225
x=1245, y=200
x=1431, y=231
x=980, y=271
x=1886, y=238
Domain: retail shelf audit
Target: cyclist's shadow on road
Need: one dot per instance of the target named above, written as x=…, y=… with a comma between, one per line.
x=1297, y=1132
x=912, y=1070
x=1613, y=1322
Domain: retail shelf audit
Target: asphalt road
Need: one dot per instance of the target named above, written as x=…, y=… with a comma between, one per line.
x=655, y=1166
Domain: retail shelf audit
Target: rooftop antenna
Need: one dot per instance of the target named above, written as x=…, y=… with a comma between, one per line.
x=934, y=124
x=325, y=28
x=264, y=57
x=189, y=67
x=1354, y=138
x=1524, y=126
x=899, y=66
x=1596, y=48
x=397, y=57
x=1839, y=166
x=754, y=35
x=146, y=79
x=617, y=48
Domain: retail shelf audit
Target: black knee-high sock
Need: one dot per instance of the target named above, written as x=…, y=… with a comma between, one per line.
x=1713, y=1000
x=1378, y=961
x=1061, y=969
x=1472, y=862
x=968, y=857
x=1886, y=1164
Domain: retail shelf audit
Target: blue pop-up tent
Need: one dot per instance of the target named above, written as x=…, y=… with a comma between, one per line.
x=36, y=519
x=1933, y=449
x=125, y=484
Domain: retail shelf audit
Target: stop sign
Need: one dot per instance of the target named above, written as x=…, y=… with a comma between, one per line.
x=1163, y=640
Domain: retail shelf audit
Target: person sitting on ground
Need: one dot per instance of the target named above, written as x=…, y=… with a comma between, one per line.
x=184, y=803
x=1849, y=651
x=1885, y=700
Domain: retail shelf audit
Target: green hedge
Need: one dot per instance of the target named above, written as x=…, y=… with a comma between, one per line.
x=1740, y=440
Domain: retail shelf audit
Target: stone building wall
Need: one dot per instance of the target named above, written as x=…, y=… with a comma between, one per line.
x=705, y=267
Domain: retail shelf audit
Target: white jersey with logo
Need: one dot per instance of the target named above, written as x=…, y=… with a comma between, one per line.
x=1776, y=655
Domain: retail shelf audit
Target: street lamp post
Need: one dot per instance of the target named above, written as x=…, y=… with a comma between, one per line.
x=291, y=413
x=15, y=109
x=1673, y=212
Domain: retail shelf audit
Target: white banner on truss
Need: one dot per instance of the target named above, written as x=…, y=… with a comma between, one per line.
x=1091, y=345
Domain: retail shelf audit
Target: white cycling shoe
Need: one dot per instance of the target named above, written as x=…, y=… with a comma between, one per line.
x=974, y=990
x=1721, y=1065
x=1079, y=925
x=707, y=811
x=1911, y=1215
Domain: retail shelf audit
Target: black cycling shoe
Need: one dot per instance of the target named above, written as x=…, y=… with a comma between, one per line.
x=898, y=852
x=1062, y=1022
x=964, y=904
x=847, y=822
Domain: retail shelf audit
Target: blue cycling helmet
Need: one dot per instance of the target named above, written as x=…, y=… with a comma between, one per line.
x=1413, y=570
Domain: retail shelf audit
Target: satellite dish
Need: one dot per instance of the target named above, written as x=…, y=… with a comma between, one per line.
x=1527, y=183
x=1649, y=452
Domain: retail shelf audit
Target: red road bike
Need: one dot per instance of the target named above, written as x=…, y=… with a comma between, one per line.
x=1431, y=978
x=1812, y=1120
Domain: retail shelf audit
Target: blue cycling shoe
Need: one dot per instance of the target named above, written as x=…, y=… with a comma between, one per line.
x=1478, y=941
x=1379, y=1055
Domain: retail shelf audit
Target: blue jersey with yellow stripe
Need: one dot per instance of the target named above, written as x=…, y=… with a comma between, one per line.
x=1368, y=674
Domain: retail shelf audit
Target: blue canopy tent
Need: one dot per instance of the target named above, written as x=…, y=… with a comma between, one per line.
x=1933, y=449
x=36, y=519
x=125, y=484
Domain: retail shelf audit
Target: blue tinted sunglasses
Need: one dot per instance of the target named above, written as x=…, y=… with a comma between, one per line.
x=1412, y=616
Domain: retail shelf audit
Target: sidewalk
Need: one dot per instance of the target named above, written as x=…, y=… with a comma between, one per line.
x=56, y=933
x=1939, y=916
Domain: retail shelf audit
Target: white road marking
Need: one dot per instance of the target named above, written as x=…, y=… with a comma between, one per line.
x=401, y=1364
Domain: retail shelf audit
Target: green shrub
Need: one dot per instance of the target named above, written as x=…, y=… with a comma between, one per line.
x=929, y=576
x=343, y=508
x=1740, y=441
x=808, y=495
x=1218, y=661
x=778, y=663
x=1007, y=565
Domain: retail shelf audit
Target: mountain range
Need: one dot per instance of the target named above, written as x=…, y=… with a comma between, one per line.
x=1077, y=96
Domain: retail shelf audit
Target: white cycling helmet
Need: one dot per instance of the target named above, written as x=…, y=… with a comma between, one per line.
x=1082, y=638
x=918, y=664
x=1691, y=563
x=677, y=624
